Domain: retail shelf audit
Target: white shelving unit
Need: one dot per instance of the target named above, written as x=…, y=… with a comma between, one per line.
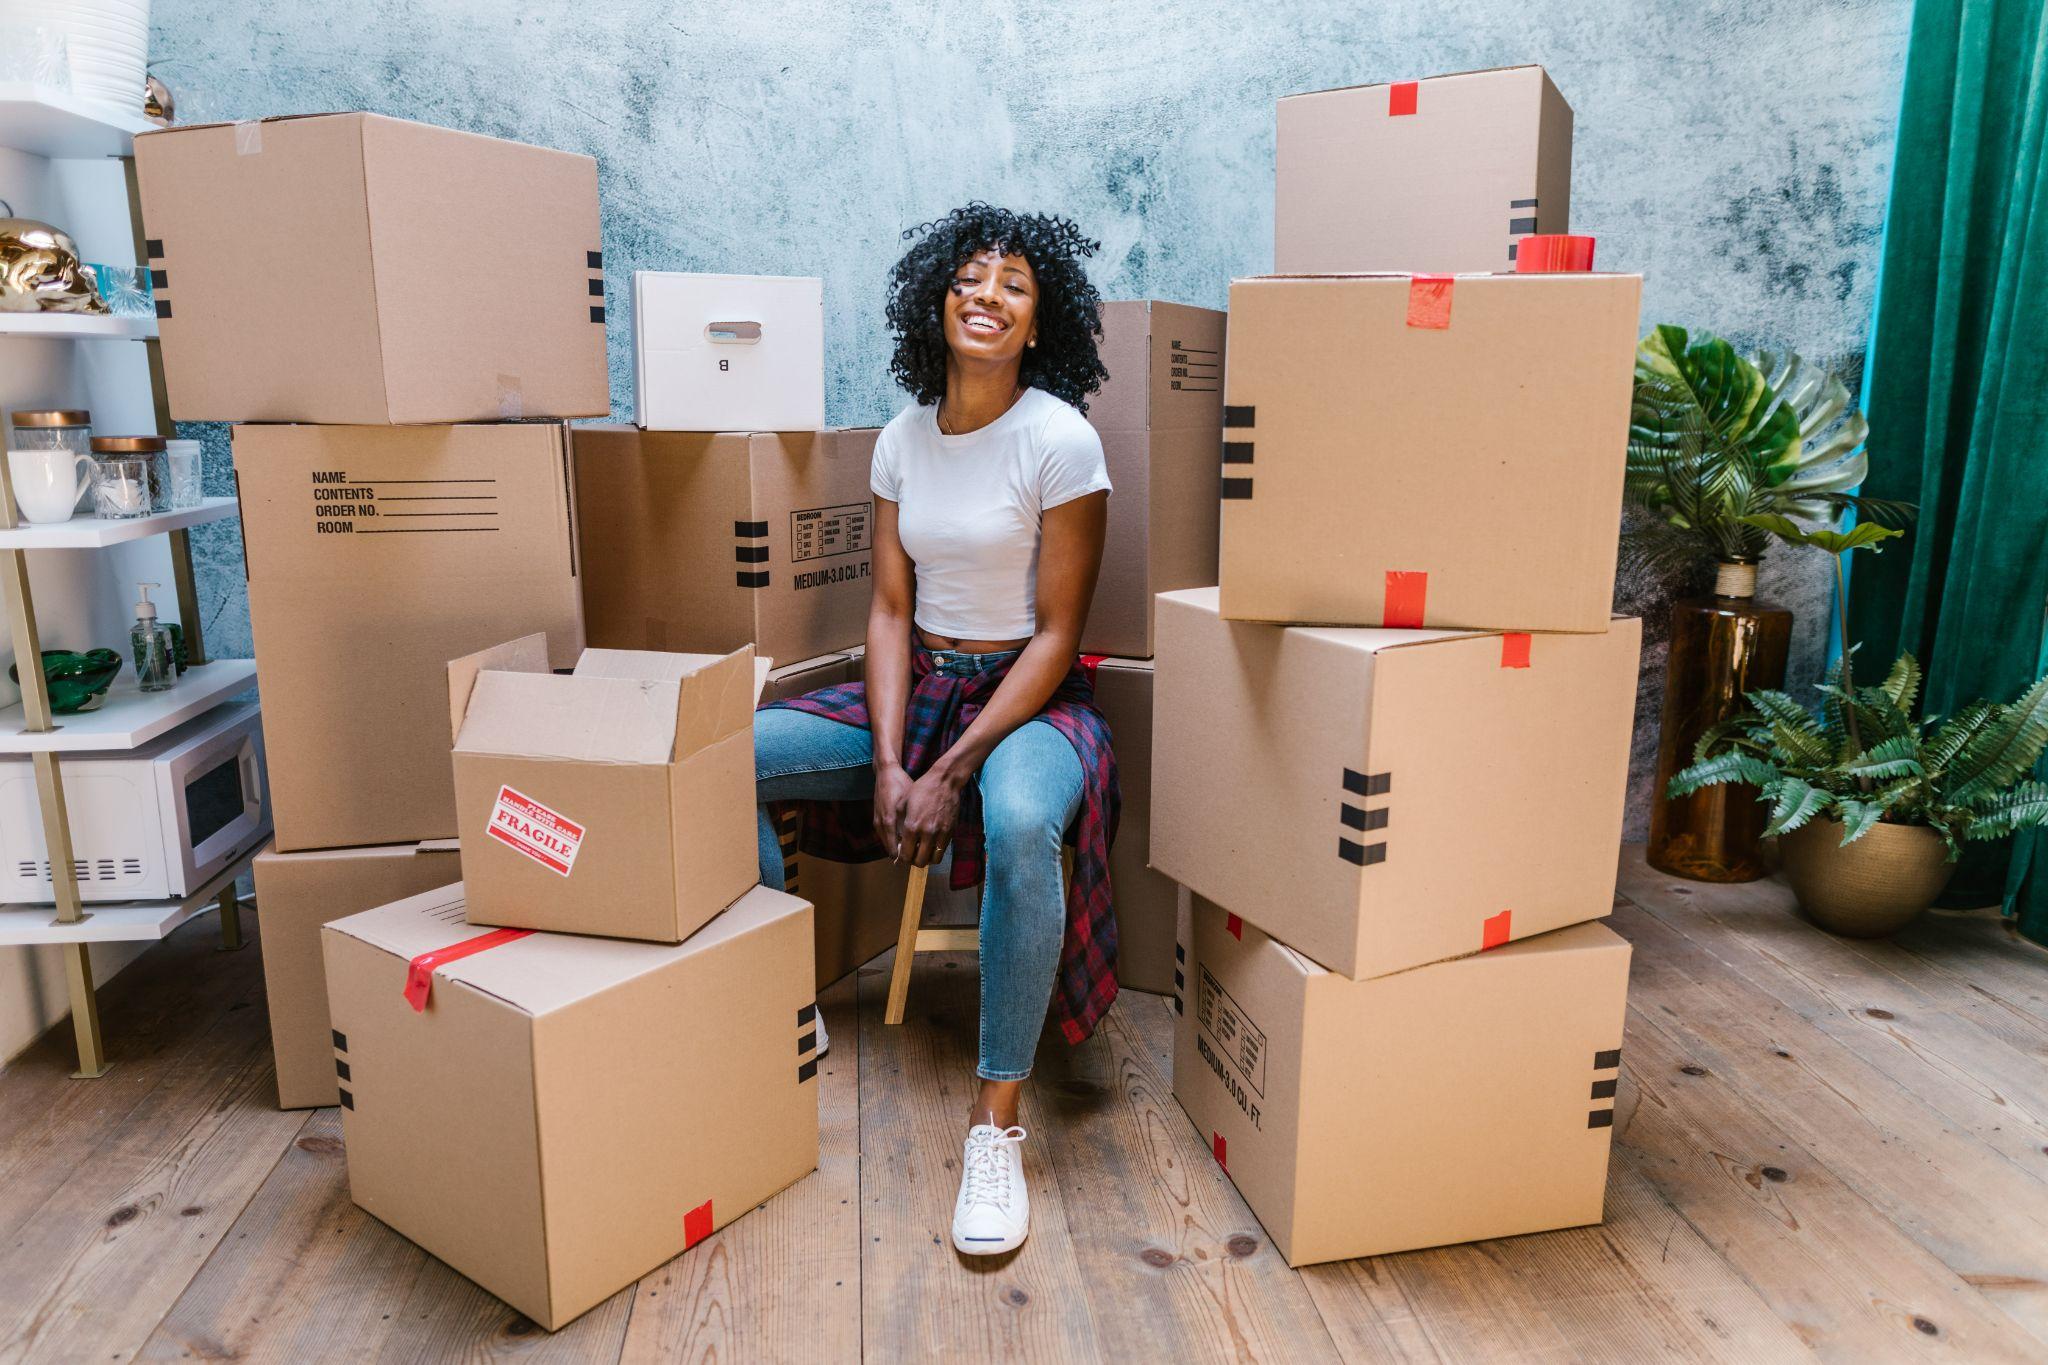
x=43, y=121
x=75, y=137
x=96, y=533
x=130, y=717
x=76, y=327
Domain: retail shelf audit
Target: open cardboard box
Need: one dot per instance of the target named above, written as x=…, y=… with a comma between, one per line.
x=618, y=800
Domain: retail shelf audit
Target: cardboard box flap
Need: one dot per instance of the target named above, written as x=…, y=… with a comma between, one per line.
x=231, y=122
x=542, y=972
x=714, y=697
x=527, y=654
x=1367, y=639
x=1443, y=76
x=591, y=720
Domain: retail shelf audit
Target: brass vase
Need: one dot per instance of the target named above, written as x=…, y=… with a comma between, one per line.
x=1722, y=646
x=1871, y=888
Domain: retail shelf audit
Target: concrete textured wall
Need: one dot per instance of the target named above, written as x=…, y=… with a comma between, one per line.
x=1735, y=151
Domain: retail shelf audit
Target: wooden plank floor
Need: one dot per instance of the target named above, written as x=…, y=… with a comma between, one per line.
x=1824, y=1150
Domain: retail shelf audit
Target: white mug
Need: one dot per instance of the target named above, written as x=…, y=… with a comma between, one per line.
x=49, y=483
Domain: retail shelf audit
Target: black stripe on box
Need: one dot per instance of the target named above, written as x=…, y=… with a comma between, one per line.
x=1180, y=981
x=1237, y=452
x=1234, y=489
x=1365, y=855
x=750, y=554
x=1180, y=953
x=806, y=1071
x=1604, y=1090
x=1355, y=818
x=1177, y=1006
x=340, y=1040
x=1511, y=251
x=750, y=529
x=1367, y=784
x=1600, y=1118
x=757, y=579
x=1521, y=225
x=807, y=1042
x=348, y=1101
x=597, y=312
x=163, y=308
x=807, y=1013
x=159, y=279
x=1603, y=1061
x=153, y=248
x=1237, y=417
x=593, y=260
x=597, y=288
x=341, y=1069
x=1521, y=203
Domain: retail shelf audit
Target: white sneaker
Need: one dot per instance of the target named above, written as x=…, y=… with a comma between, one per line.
x=993, y=1213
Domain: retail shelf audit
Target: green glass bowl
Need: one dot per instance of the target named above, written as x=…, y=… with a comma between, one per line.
x=77, y=682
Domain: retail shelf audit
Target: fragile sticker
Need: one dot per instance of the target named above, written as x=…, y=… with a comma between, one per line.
x=523, y=824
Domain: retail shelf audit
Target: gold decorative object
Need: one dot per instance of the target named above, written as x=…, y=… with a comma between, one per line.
x=40, y=271
x=157, y=101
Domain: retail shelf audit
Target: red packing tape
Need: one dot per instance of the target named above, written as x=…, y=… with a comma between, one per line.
x=1401, y=96
x=1496, y=930
x=696, y=1225
x=1514, y=649
x=1549, y=253
x=1222, y=1151
x=1406, y=592
x=1089, y=663
x=419, y=973
x=1234, y=926
x=1429, y=301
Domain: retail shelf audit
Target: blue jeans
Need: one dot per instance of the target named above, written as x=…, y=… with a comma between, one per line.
x=1030, y=791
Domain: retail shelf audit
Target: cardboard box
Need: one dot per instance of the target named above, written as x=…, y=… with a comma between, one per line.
x=1465, y=1100
x=618, y=800
x=1440, y=175
x=728, y=352
x=1380, y=799
x=855, y=917
x=375, y=555
x=1160, y=417
x=352, y=268
x=296, y=893
x=708, y=541
x=1407, y=452
x=554, y=1116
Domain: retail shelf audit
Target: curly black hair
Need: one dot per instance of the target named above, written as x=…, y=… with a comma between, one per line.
x=1064, y=362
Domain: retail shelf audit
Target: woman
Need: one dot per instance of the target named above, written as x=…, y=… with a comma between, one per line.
x=976, y=726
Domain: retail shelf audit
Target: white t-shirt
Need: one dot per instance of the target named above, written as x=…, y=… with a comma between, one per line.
x=969, y=508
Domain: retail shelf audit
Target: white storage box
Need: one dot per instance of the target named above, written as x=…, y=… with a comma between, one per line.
x=728, y=352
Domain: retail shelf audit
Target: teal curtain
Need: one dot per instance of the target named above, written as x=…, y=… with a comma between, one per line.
x=1958, y=381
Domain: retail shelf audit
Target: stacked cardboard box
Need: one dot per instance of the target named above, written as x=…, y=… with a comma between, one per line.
x=1391, y=748
x=408, y=499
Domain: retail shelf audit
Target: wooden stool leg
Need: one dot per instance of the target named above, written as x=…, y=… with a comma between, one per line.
x=906, y=946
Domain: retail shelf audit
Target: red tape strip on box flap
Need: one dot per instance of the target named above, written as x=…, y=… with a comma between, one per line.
x=697, y=1225
x=1429, y=301
x=1497, y=929
x=1401, y=97
x=419, y=973
x=1216, y=1145
x=1548, y=253
x=1234, y=927
x=1406, y=592
x=1514, y=650
x=1089, y=663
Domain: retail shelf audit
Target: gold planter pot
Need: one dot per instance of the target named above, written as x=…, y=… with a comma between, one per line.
x=1868, y=889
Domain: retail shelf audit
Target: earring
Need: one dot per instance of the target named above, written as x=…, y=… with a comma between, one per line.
x=1032, y=342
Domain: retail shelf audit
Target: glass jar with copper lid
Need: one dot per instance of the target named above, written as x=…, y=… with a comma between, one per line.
x=149, y=450
x=67, y=429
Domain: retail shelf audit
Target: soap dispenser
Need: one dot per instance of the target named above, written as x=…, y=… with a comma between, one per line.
x=152, y=645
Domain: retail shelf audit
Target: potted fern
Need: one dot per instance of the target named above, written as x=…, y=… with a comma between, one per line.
x=1871, y=805
x=1728, y=454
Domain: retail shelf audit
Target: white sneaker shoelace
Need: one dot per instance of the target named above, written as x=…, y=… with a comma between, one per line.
x=986, y=1179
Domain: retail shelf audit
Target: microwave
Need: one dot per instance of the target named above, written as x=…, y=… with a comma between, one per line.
x=152, y=823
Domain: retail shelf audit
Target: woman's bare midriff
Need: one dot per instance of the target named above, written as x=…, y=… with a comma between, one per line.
x=931, y=641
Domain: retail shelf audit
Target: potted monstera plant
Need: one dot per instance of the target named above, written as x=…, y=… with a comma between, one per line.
x=1870, y=804
x=1728, y=454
